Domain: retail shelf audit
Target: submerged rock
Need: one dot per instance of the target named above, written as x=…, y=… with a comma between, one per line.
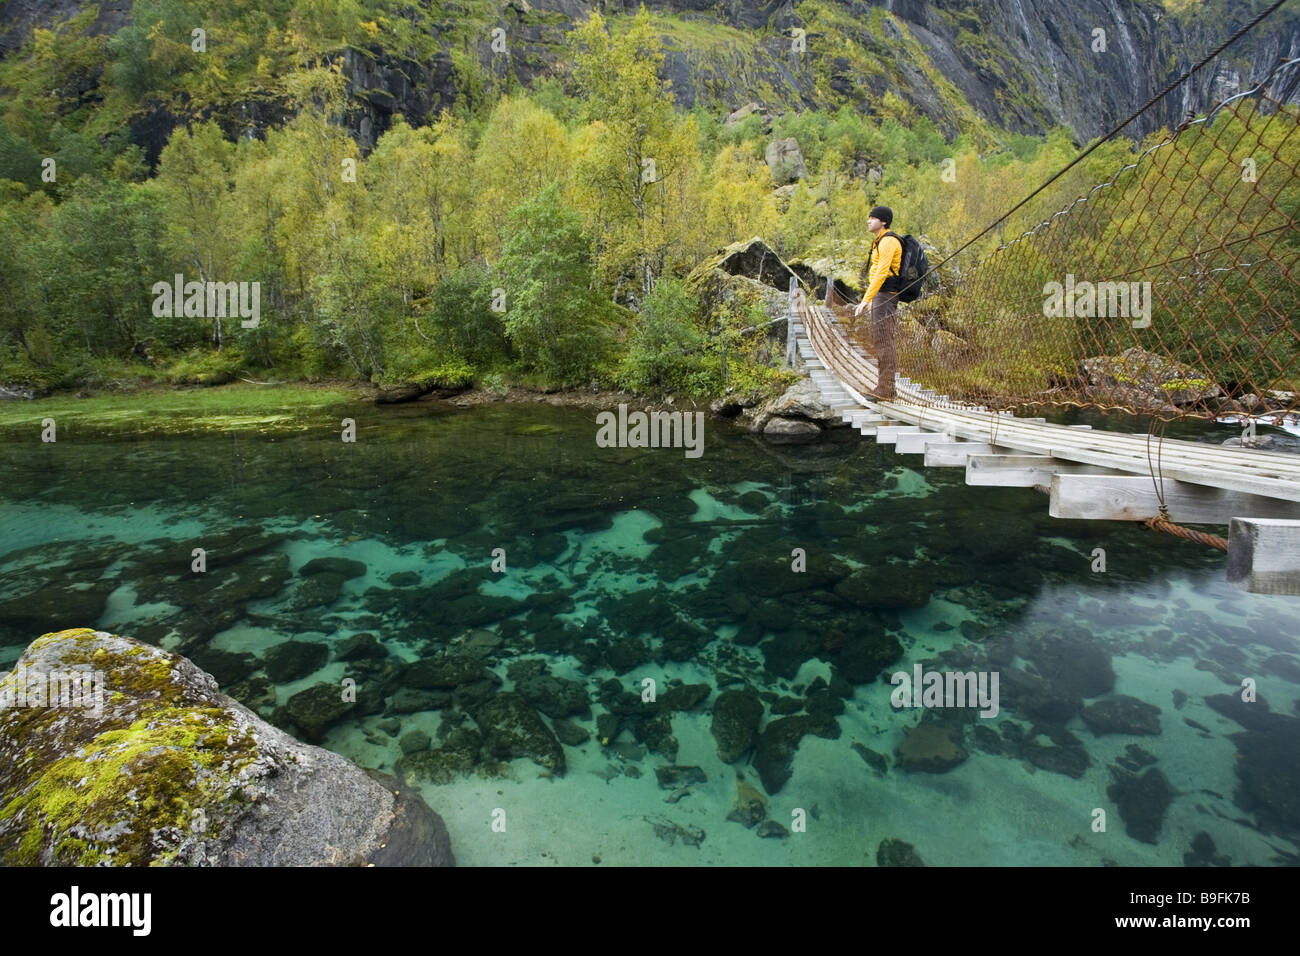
x=458, y=755
x=777, y=743
x=1075, y=664
x=344, y=566
x=294, y=659
x=897, y=853
x=317, y=590
x=673, y=776
x=511, y=728
x=736, y=714
x=361, y=647
x=1142, y=802
x=172, y=771
x=790, y=431
x=750, y=808
x=316, y=709
x=1122, y=715
x=931, y=747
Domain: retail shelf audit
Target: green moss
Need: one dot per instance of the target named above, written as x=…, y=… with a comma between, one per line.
x=232, y=407
x=128, y=794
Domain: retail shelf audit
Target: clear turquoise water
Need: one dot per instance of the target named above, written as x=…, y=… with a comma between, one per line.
x=623, y=565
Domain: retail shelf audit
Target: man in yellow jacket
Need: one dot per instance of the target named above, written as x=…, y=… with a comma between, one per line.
x=882, y=296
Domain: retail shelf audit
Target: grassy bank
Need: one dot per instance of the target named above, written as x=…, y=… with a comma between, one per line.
x=263, y=408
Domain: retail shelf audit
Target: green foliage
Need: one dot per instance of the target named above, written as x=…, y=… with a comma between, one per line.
x=461, y=319
x=202, y=367
x=556, y=319
x=662, y=340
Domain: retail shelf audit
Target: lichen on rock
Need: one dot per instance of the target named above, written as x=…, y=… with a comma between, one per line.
x=171, y=771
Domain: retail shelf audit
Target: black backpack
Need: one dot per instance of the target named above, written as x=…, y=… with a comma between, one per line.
x=912, y=270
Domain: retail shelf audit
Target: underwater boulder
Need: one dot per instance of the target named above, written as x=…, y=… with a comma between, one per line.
x=931, y=747
x=897, y=853
x=316, y=709
x=293, y=660
x=169, y=770
x=1142, y=801
x=344, y=566
x=736, y=714
x=1122, y=714
x=512, y=728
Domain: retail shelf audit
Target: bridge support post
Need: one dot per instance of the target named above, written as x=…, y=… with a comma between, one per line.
x=792, y=317
x=1264, y=555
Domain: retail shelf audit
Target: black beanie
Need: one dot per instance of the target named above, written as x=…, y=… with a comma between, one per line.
x=884, y=214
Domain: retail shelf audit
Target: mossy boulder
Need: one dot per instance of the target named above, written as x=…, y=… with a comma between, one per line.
x=165, y=769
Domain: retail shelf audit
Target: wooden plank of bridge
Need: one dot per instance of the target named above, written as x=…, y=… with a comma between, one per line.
x=1241, y=471
x=1264, y=555
x=946, y=454
x=1132, y=498
x=1252, y=472
x=1022, y=471
x=888, y=434
x=913, y=443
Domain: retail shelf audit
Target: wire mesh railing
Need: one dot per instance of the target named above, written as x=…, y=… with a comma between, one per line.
x=1170, y=289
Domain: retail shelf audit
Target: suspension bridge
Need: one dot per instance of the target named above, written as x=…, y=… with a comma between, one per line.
x=1207, y=216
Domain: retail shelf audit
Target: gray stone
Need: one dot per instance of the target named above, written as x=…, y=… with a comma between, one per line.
x=117, y=787
x=785, y=161
x=790, y=431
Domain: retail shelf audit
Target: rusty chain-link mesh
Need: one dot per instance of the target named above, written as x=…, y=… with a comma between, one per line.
x=1168, y=289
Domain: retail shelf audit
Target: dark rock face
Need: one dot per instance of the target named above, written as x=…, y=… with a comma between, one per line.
x=890, y=587
x=1268, y=760
x=1142, y=802
x=118, y=787
x=1039, y=50
x=361, y=647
